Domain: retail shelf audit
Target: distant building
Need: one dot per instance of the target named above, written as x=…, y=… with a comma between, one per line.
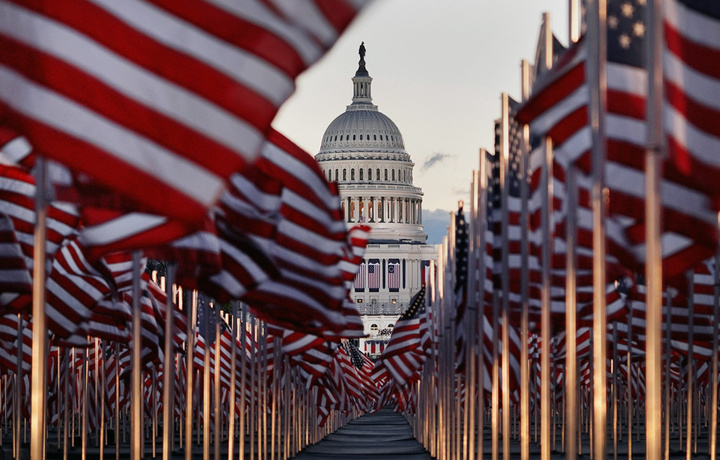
x=363, y=151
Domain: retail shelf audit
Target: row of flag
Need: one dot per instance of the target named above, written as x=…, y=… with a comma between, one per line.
x=527, y=318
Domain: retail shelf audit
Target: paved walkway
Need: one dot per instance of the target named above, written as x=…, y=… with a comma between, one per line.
x=384, y=435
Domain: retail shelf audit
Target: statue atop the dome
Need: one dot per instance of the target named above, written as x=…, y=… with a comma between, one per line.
x=361, y=65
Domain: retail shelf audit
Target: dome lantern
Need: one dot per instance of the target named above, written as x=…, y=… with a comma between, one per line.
x=362, y=82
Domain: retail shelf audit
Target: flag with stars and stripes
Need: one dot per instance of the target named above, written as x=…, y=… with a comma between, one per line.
x=160, y=101
x=692, y=85
x=403, y=356
x=558, y=108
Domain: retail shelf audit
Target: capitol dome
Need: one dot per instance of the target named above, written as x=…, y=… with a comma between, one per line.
x=363, y=151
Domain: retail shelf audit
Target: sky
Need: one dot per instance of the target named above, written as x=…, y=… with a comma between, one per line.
x=439, y=68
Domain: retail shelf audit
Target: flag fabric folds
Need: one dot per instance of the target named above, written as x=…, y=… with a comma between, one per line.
x=167, y=113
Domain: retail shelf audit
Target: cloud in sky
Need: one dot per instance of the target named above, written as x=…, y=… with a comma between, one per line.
x=434, y=159
x=436, y=224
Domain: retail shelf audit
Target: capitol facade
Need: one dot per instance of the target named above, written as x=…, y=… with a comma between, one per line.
x=363, y=151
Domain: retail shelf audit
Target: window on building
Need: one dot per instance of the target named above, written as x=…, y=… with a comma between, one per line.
x=361, y=174
x=377, y=173
x=393, y=175
x=386, y=175
x=373, y=327
x=344, y=174
x=369, y=174
x=358, y=300
x=361, y=137
x=352, y=174
x=336, y=176
x=390, y=326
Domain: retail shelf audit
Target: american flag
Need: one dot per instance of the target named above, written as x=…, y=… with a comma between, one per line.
x=394, y=275
x=360, y=277
x=373, y=269
x=403, y=356
x=692, y=84
x=160, y=101
x=558, y=108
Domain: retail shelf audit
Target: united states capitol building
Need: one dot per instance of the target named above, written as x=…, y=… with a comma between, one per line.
x=363, y=151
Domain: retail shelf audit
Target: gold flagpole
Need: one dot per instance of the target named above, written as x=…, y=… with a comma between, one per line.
x=571, y=370
x=505, y=310
x=85, y=401
x=216, y=407
x=714, y=375
x=690, y=366
x=482, y=224
x=653, y=204
x=117, y=404
x=168, y=366
x=243, y=381
x=233, y=382
x=190, y=357
x=136, y=451
x=17, y=416
x=206, y=379
x=524, y=281
x=629, y=381
x=597, y=79
x=547, y=175
x=39, y=337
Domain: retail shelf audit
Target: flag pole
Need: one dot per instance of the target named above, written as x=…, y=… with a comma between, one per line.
x=524, y=281
x=482, y=247
x=690, y=366
x=653, y=203
x=206, y=378
x=243, y=381
x=168, y=367
x=216, y=407
x=39, y=337
x=668, y=388
x=17, y=401
x=629, y=380
x=117, y=405
x=546, y=267
x=714, y=375
x=573, y=21
x=505, y=312
x=190, y=357
x=571, y=370
x=597, y=79
x=471, y=333
x=233, y=381
x=136, y=451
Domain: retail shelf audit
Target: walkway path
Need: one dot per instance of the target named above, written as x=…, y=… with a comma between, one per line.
x=384, y=435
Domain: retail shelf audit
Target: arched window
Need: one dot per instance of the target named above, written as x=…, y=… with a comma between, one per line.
x=381, y=137
x=386, y=174
x=369, y=174
x=373, y=327
x=353, y=136
x=390, y=326
x=352, y=174
x=374, y=137
x=336, y=176
x=344, y=174
x=393, y=175
x=360, y=137
x=377, y=173
x=341, y=137
x=361, y=174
